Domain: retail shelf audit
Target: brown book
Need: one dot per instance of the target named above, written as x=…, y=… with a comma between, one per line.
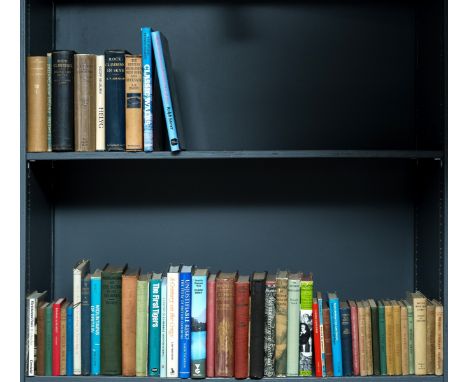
x=85, y=102
x=327, y=340
x=418, y=300
x=129, y=298
x=225, y=321
x=430, y=338
x=368, y=321
x=63, y=338
x=396, y=336
x=362, y=338
x=404, y=338
x=241, y=332
x=37, y=103
x=439, y=338
x=389, y=338
x=40, y=365
x=281, y=324
x=133, y=107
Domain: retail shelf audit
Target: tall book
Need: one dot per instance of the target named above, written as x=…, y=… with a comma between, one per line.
x=63, y=337
x=172, y=352
x=141, y=353
x=33, y=300
x=419, y=302
x=40, y=355
x=257, y=324
x=63, y=99
x=409, y=309
x=389, y=338
x=185, y=298
x=96, y=322
x=48, y=339
x=316, y=341
x=37, y=103
x=49, y=101
x=80, y=270
x=270, y=326
x=211, y=326
x=430, y=337
x=133, y=108
x=362, y=338
x=225, y=320
x=335, y=332
x=129, y=321
x=306, y=325
x=198, y=324
x=86, y=325
x=85, y=102
x=294, y=312
x=439, y=338
x=70, y=340
x=397, y=336
x=147, y=69
x=346, y=338
x=154, y=326
x=404, y=338
x=115, y=99
x=327, y=340
x=163, y=358
x=369, y=353
x=322, y=333
x=281, y=324
x=56, y=337
x=111, y=329
x=168, y=91
x=100, y=103
x=241, y=327
x=354, y=336
x=375, y=337
x=382, y=338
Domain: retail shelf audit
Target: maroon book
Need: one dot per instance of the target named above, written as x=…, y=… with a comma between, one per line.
x=241, y=330
x=211, y=326
x=327, y=340
x=355, y=336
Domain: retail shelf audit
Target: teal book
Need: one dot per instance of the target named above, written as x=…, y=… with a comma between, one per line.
x=335, y=331
x=48, y=340
x=382, y=338
x=198, y=324
x=96, y=322
x=154, y=331
x=409, y=308
x=294, y=310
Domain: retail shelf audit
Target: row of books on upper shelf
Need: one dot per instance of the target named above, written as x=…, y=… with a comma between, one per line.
x=88, y=102
x=190, y=323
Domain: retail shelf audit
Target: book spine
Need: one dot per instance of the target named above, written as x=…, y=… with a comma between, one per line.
x=40, y=342
x=241, y=330
x=270, y=330
x=397, y=338
x=281, y=327
x=172, y=354
x=292, y=342
x=48, y=340
x=257, y=323
x=306, y=329
x=382, y=341
x=198, y=322
x=185, y=298
x=133, y=109
x=210, y=328
x=410, y=339
x=37, y=104
x=346, y=340
x=147, y=69
x=389, y=340
x=369, y=355
x=362, y=341
x=30, y=335
x=165, y=91
x=63, y=98
x=322, y=337
x=56, y=323
x=328, y=342
x=163, y=358
x=439, y=340
x=141, y=353
x=317, y=349
x=115, y=100
x=335, y=331
x=419, y=312
x=76, y=322
x=63, y=340
x=49, y=102
x=100, y=104
x=430, y=339
x=154, y=335
x=375, y=340
x=95, y=325
x=70, y=340
x=404, y=341
x=85, y=327
x=355, y=339
x=129, y=317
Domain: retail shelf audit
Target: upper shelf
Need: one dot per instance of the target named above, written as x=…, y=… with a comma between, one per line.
x=244, y=154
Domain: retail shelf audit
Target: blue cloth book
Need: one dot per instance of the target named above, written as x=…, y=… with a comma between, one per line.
x=96, y=323
x=346, y=340
x=154, y=325
x=335, y=329
x=147, y=78
x=322, y=343
x=185, y=297
x=163, y=358
x=198, y=324
x=86, y=325
x=70, y=340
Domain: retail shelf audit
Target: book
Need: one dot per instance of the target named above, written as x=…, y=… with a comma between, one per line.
x=270, y=326
x=168, y=91
x=281, y=324
x=294, y=312
x=404, y=338
x=111, y=319
x=354, y=336
x=40, y=355
x=257, y=323
x=163, y=358
x=141, y=343
x=100, y=103
x=306, y=327
x=346, y=338
x=375, y=337
x=225, y=320
x=70, y=340
x=322, y=332
x=129, y=321
x=133, y=107
x=63, y=337
x=241, y=327
x=369, y=353
x=33, y=300
x=172, y=352
x=389, y=338
x=56, y=337
x=397, y=336
x=211, y=326
x=85, y=102
x=49, y=101
x=37, y=103
x=185, y=298
x=317, y=342
x=362, y=339
x=80, y=270
x=48, y=339
x=147, y=69
x=382, y=338
x=63, y=100
x=154, y=325
x=115, y=99
x=335, y=331
x=439, y=338
x=418, y=301
x=430, y=337
x=86, y=325
x=327, y=340
x=198, y=324
x=96, y=322
x=409, y=309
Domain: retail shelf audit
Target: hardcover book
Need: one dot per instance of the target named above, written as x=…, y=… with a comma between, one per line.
x=172, y=352
x=33, y=300
x=322, y=333
x=49, y=101
x=48, y=339
x=147, y=69
x=86, y=325
x=306, y=325
x=362, y=338
x=257, y=323
x=409, y=309
x=335, y=331
x=96, y=322
x=389, y=338
x=37, y=104
x=40, y=356
x=270, y=326
x=133, y=106
x=404, y=338
x=154, y=329
x=100, y=103
x=281, y=324
x=354, y=335
x=327, y=340
x=198, y=324
x=129, y=321
x=375, y=337
x=369, y=354
x=430, y=337
x=141, y=353
x=241, y=327
x=56, y=337
x=346, y=338
x=397, y=336
x=185, y=298
x=63, y=338
x=163, y=359
x=439, y=338
x=418, y=300
x=294, y=311
x=317, y=342
x=382, y=338
x=211, y=326
x=70, y=340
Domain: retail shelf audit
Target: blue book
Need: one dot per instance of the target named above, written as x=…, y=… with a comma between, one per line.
x=346, y=340
x=147, y=78
x=70, y=340
x=86, y=325
x=163, y=358
x=335, y=329
x=168, y=91
x=198, y=324
x=96, y=323
x=154, y=332
x=185, y=297
x=322, y=341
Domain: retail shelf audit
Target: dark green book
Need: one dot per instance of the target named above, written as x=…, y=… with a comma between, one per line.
x=111, y=320
x=382, y=339
x=48, y=340
x=375, y=337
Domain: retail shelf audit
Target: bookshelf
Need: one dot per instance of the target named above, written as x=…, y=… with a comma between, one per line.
x=325, y=124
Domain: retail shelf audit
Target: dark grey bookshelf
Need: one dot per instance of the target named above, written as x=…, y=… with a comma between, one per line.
x=325, y=126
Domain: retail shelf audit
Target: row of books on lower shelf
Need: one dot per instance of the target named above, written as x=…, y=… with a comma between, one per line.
x=190, y=323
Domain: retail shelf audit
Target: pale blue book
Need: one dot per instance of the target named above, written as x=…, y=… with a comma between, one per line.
x=147, y=85
x=96, y=322
x=335, y=329
x=163, y=359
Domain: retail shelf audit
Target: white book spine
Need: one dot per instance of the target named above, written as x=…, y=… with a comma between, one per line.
x=76, y=322
x=32, y=308
x=172, y=317
x=100, y=104
x=163, y=369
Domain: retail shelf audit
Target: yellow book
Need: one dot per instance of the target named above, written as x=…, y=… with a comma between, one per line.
x=369, y=357
x=404, y=339
x=389, y=338
x=362, y=338
x=430, y=338
x=396, y=336
x=439, y=338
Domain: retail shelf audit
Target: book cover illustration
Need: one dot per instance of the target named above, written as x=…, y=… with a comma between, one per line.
x=198, y=324
x=305, y=330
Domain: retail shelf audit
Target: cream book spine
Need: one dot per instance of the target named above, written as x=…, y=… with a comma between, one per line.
x=100, y=104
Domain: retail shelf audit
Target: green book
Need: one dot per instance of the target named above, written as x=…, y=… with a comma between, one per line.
x=409, y=308
x=382, y=338
x=375, y=337
x=294, y=310
x=306, y=330
x=111, y=320
x=142, y=325
x=48, y=340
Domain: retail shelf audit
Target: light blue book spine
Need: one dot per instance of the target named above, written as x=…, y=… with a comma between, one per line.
x=163, y=358
x=198, y=333
x=147, y=77
x=335, y=327
x=165, y=91
x=70, y=340
x=185, y=297
x=322, y=339
x=95, y=325
x=154, y=334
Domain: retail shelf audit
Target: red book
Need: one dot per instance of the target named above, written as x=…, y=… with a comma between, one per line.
x=241, y=331
x=211, y=326
x=56, y=323
x=316, y=329
x=355, y=336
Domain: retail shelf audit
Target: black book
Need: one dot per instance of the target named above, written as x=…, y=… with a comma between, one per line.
x=86, y=325
x=62, y=108
x=375, y=336
x=346, y=340
x=257, y=335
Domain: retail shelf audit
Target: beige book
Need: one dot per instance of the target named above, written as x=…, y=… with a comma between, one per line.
x=389, y=338
x=368, y=342
x=396, y=336
x=362, y=338
x=404, y=339
x=439, y=338
x=418, y=300
x=133, y=104
x=37, y=103
x=100, y=104
x=430, y=337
